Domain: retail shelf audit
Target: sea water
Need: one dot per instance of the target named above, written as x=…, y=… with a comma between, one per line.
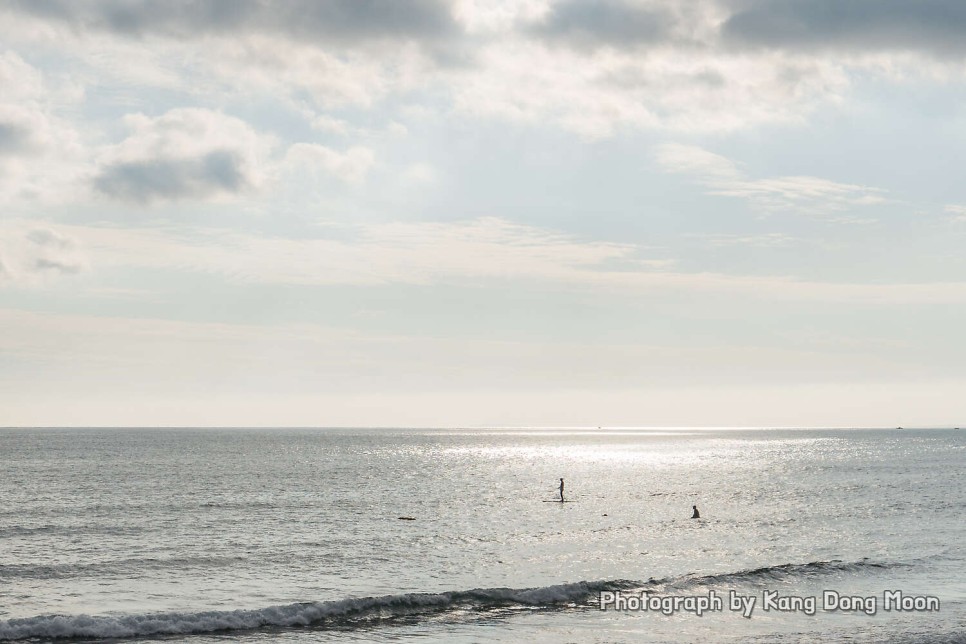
x=454, y=535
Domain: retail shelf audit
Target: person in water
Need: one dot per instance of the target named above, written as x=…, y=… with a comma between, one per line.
x=561, y=490
x=696, y=514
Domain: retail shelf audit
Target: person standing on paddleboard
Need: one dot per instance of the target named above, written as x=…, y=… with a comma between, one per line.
x=561, y=490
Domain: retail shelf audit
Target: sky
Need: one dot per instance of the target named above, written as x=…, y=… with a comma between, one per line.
x=482, y=212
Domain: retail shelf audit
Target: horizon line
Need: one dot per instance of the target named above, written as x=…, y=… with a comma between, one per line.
x=504, y=427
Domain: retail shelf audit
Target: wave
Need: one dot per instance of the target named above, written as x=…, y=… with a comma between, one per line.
x=345, y=612
x=26, y=531
x=73, y=530
x=774, y=573
x=302, y=614
x=113, y=567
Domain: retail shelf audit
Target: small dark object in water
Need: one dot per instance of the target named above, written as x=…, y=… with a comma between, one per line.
x=406, y=518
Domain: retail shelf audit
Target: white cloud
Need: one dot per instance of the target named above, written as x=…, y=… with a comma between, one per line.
x=186, y=153
x=723, y=177
x=331, y=125
x=350, y=166
x=498, y=68
x=20, y=81
x=958, y=212
x=31, y=255
x=409, y=253
x=462, y=253
x=765, y=240
x=596, y=92
x=340, y=127
x=690, y=159
x=583, y=67
x=532, y=84
x=497, y=16
x=39, y=152
x=330, y=78
x=419, y=174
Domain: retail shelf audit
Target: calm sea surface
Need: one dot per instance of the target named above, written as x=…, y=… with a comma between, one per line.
x=288, y=535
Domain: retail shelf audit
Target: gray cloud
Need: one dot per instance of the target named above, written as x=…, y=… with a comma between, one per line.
x=217, y=172
x=605, y=22
x=15, y=138
x=931, y=25
x=332, y=20
x=44, y=237
x=36, y=254
x=57, y=266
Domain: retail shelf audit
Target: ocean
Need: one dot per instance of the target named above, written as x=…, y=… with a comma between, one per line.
x=456, y=535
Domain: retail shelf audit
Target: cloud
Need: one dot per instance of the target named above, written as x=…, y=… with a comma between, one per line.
x=689, y=159
x=22, y=131
x=183, y=154
x=795, y=193
x=31, y=255
x=593, y=68
x=590, y=68
x=957, y=213
x=331, y=125
x=764, y=240
x=350, y=166
x=40, y=155
x=219, y=171
x=342, y=21
x=460, y=253
x=599, y=92
x=14, y=138
x=324, y=76
x=27, y=128
x=935, y=26
x=20, y=81
x=340, y=127
x=606, y=22
x=419, y=174
x=372, y=254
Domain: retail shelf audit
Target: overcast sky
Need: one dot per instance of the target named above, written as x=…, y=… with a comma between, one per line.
x=483, y=212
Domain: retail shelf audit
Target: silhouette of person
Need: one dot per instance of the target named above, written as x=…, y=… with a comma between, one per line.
x=561, y=490
x=696, y=515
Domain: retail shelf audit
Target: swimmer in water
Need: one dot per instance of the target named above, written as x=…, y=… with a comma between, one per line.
x=696, y=514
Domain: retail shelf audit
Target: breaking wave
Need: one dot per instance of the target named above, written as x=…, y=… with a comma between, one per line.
x=366, y=610
x=774, y=573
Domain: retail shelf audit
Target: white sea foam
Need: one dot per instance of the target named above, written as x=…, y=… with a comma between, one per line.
x=302, y=614
x=387, y=606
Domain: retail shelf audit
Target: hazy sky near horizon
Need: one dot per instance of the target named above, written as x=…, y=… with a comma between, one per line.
x=472, y=212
